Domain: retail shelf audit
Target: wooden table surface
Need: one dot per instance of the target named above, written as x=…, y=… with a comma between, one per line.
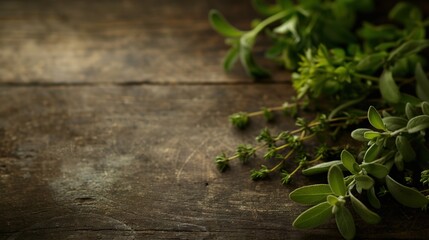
x=111, y=114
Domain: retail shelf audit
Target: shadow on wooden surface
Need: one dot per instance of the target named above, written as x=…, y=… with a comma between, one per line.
x=111, y=119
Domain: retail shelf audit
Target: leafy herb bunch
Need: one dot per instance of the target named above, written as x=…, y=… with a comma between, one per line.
x=347, y=63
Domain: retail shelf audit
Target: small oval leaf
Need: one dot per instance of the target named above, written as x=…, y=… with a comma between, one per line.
x=418, y=123
x=320, y=168
x=345, y=223
x=364, y=181
x=366, y=214
x=425, y=108
x=405, y=148
x=406, y=196
x=372, y=198
x=371, y=135
x=222, y=26
x=375, y=118
x=388, y=88
x=314, y=216
x=312, y=194
x=377, y=170
x=349, y=162
x=359, y=133
x=371, y=153
x=410, y=110
x=394, y=123
x=422, y=83
x=336, y=181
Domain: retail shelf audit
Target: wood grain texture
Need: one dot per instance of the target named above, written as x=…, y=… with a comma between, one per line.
x=137, y=163
x=163, y=41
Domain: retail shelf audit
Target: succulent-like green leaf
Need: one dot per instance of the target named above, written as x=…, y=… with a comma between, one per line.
x=377, y=170
x=371, y=135
x=399, y=161
x=425, y=108
x=372, y=198
x=230, y=58
x=336, y=181
x=312, y=194
x=320, y=168
x=422, y=83
x=388, y=88
x=404, y=12
x=264, y=8
x=349, y=162
x=366, y=214
x=375, y=119
x=359, y=133
x=410, y=110
x=314, y=216
x=248, y=62
x=406, y=196
x=364, y=181
x=331, y=199
x=222, y=26
x=394, y=123
x=371, y=153
x=418, y=123
x=345, y=223
x=405, y=148
x=372, y=62
x=408, y=48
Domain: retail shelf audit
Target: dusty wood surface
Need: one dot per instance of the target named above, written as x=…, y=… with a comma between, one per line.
x=85, y=153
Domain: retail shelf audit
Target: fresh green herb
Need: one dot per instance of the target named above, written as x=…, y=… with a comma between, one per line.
x=343, y=62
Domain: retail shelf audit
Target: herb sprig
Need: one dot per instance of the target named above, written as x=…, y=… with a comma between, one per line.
x=352, y=67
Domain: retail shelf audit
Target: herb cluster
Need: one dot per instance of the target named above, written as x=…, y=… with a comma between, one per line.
x=346, y=63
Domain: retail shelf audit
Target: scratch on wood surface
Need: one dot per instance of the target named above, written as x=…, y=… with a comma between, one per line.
x=95, y=221
x=196, y=149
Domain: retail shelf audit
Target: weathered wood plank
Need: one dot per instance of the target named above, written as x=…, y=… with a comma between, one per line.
x=115, y=41
x=136, y=163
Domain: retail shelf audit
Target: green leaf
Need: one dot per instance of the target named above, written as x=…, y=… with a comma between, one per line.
x=336, y=181
x=370, y=63
x=345, y=223
x=230, y=58
x=422, y=83
x=349, y=162
x=406, y=196
x=375, y=118
x=366, y=214
x=314, y=216
x=425, y=108
x=371, y=153
x=364, y=181
x=222, y=26
x=289, y=26
x=408, y=48
x=410, y=110
x=249, y=63
x=388, y=88
x=372, y=198
x=399, y=161
x=264, y=8
x=377, y=170
x=394, y=123
x=359, y=133
x=418, y=123
x=405, y=13
x=331, y=199
x=312, y=194
x=320, y=168
x=371, y=135
x=405, y=148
